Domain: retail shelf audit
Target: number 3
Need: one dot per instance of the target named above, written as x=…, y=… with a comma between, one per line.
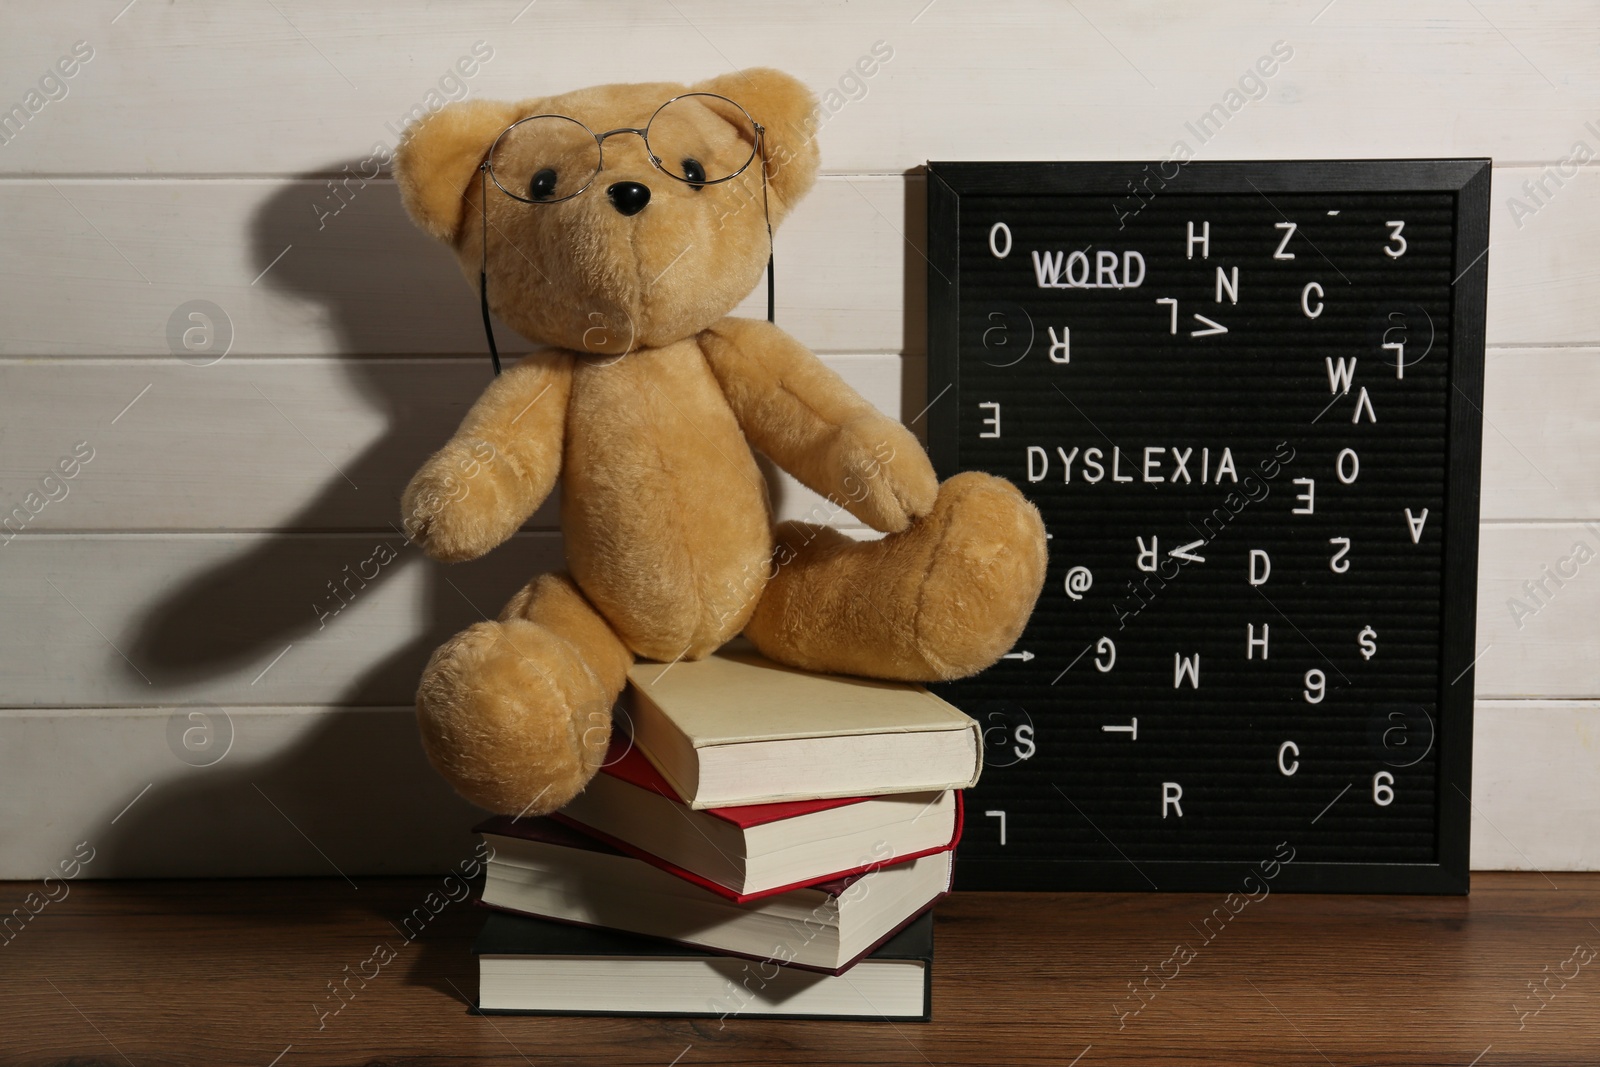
x=1395, y=226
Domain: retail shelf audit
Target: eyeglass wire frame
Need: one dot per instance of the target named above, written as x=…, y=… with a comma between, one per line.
x=486, y=174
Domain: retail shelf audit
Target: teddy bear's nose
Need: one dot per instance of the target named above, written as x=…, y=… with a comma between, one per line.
x=629, y=197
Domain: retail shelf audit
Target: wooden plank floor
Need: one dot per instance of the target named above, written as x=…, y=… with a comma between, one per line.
x=238, y=972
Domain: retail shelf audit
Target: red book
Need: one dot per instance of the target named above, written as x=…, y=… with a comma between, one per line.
x=543, y=868
x=756, y=850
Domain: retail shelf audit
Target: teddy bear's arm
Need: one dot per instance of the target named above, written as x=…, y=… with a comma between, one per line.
x=499, y=466
x=805, y=417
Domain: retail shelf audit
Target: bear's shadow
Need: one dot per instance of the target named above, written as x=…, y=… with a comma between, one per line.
x=314, y=803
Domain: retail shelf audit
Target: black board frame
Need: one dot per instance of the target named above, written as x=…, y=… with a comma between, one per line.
x=1469, y=181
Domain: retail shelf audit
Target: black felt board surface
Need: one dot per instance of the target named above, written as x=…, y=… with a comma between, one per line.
x=1222, y=676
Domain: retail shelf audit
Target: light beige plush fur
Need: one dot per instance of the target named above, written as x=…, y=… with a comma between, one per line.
x=648, y=404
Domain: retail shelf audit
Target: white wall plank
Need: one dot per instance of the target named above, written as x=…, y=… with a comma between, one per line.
x=295, y=86
x=280, y=784
x=356, y=784
x=280, y=444
x=200, y=616
x=98, y=267
x=1548, y=647
x=252, y=444
x=1536, y=786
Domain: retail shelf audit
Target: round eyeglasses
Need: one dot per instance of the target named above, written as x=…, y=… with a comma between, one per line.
x=556, y=157
x=545, y=159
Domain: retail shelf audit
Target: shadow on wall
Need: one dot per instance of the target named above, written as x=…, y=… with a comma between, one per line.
x=231, y=617
x=349, y=792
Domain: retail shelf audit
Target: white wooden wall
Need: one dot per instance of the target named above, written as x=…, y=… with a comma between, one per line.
x=190, y=159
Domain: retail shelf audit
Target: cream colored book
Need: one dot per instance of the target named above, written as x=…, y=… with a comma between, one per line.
x=736, y=728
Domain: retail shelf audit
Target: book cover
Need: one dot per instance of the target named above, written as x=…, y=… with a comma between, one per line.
x=561, y=969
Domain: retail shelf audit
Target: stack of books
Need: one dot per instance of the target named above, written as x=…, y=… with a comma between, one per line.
x=764, y=841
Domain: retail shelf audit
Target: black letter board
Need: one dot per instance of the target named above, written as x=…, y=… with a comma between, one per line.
x=1245, y=397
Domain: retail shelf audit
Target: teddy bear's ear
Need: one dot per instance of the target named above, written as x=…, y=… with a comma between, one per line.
x=438, y=156
x=787, y=110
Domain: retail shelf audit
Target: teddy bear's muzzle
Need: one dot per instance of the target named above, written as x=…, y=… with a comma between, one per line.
x=629, y=198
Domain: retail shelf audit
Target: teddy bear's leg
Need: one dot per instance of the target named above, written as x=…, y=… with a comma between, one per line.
x=942, y=599
x=516, y=713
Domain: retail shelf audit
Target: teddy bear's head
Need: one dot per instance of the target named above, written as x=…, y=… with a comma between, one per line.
x=640, y=257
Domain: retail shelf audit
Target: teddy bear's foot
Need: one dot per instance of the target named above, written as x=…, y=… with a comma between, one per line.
x=940, y=600
x=516, y=713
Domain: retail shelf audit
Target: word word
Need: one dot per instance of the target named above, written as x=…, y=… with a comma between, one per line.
x=35, y=902
x=1563, y=171
x=1254, y=490
x=1184, y=954
x=456, y=890
x=1149, y=471
x=1252, y=87
x=54, y=489
x=52, y=86
x=1564, y=570
x=1582, y=956
x=736, y=996
x=381, y=554
x=1048, y=269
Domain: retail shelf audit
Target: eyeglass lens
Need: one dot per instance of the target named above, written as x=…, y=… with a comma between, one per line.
x=548, y=158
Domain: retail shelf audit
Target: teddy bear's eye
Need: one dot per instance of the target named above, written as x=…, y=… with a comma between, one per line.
x=694, y=172
x=543, y=185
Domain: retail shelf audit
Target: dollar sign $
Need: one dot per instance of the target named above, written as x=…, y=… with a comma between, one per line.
x=1369, y=642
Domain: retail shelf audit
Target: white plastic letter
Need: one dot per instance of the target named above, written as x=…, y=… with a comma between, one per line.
x=1227, y=285
x=1260, y=577
x=1044, y=463
x=1147, y=553
x=1288, y=229
x=1395, y=226
x=1383, y=789
x=1305, y=300
x=1060, y=350
x=1171, y=793
x=1348, y=458
x=1288, y=748
x=991, y=421
x=1308, y=498
x=994, y=246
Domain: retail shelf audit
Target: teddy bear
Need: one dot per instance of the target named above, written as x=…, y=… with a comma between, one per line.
x=620, y=253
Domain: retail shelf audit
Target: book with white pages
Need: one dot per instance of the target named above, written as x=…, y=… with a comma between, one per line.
x=551, y=871
x=736, y=728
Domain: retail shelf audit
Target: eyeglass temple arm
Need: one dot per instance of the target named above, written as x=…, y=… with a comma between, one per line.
x=483, y=264
x=761, y=146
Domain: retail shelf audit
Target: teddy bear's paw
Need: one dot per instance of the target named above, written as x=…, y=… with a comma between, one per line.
x=513, y=718
x=887, y=481
x=985, y=568
x=463, y=502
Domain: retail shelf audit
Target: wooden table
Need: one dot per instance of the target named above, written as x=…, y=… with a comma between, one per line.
x=239, y=972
